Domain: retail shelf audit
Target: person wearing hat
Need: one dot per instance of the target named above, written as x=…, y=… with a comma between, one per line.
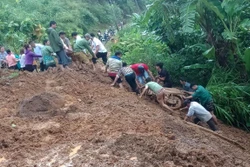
x=200, y=114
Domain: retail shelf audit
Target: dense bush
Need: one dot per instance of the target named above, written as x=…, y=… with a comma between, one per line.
x=22, y=20
x=205, y=41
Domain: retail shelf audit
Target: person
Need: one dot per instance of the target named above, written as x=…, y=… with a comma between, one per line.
x=3, y=55
x=163, y=76
x=142, y=72
x=98, y=48
x=129, y=75
x=66, y=40
x=99, y=34
x=80, y=47
x=37, y=48
x=114, y=64
x=11, y=60
x=29, y=58
x=57, y=46
x=22, y=59
x=204, y=98
x=159, y=91
x=47, y=55
x=186, y=85
x=200, y=113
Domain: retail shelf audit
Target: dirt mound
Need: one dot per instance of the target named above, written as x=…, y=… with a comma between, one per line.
x=79, y=120
x=45, y=104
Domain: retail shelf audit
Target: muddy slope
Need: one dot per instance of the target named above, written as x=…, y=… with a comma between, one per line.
x=77, y=119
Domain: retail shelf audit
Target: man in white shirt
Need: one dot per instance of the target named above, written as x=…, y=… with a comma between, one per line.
x=98, y=48
x=200, y=113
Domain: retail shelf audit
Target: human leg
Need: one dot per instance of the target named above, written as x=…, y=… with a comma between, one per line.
x=210, y=107
x=160, y=99
x=62, y=58
x=211, y=124
x=132, y=83
x=29, y=68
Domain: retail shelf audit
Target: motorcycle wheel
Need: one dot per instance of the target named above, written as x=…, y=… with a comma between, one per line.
x=173, y=101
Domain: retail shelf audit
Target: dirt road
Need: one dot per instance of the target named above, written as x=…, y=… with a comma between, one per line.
x=75, y=119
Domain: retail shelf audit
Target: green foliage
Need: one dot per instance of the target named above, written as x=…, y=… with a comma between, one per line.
x=23, y=20
x=204, y=41
x=231, y=99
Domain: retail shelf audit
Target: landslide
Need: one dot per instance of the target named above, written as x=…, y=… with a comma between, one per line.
x=74, y=118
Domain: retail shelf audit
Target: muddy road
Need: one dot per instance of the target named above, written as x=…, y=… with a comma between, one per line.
x=75, y=119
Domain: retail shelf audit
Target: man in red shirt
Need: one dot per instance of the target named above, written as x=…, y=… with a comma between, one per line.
x=142, y=72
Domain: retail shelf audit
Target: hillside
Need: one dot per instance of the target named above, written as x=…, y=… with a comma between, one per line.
x=77, y=119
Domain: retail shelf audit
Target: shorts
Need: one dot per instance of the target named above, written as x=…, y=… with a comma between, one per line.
x=210, y=123
x=80, y=56
x=209, y=106
x=112, y=75
x=101, y=55
x=62, y=58
x=29, y=68
x=13, y=67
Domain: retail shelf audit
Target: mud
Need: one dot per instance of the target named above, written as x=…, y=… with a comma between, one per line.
x=76, y=119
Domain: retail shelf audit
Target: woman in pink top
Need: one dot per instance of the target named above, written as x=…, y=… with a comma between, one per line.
x=11, y=60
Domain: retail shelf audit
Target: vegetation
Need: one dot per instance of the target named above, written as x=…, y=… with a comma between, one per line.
x=22, y=20
x=206, y=41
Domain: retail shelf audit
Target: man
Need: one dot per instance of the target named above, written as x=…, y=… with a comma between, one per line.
x=57, y=46
x=142, y=72
x=38, y=51
x=114, y=64
x=163, y=76
x=204, y=98
x=186, y=85
x=80, y=46
x=98, y=48
x=129, y=75
x=3, y=55
x=159, y=91
x=201, y=114
x=65, y=40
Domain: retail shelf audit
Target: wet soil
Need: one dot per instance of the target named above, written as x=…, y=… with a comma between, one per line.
x=74, y=118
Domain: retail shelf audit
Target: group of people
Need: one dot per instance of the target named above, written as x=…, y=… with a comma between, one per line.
x=86, y=50
x=199, y=103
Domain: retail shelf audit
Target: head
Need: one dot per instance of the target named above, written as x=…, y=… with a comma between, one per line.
x=52, y=24
x=194, y=86
x=187, y=103
x=8, y=51
x=87, y=37
x=124, y=64
x=28, y=47
x=2, y=49
x=74, y=35
x=46, y=42
x=118, y=53
x=182, y=81
x=62, y=35
x=33, y=44
x=159, y=66
x=148, y=80
x=22, y=51
x=92, y=35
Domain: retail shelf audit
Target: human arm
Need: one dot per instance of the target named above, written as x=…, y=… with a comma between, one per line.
x=97, y=49
x=89, y=49
x=57, y=39
x=144, y=91
x=151, y=75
